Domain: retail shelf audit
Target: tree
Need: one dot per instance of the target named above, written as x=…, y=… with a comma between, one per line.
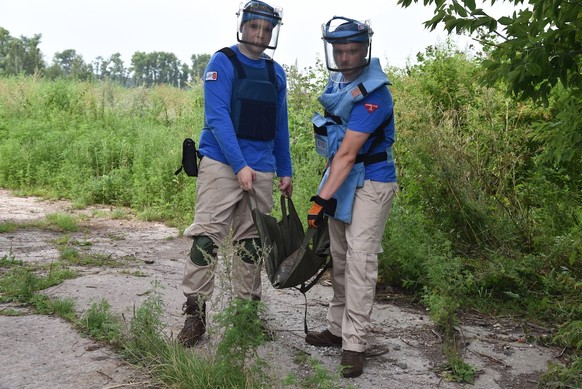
x=184, y=75
x=19, y=55
x=537, y=46
x=537, y=52
x=110, y=69
x=116, y=69
x=199, y=62
x=155, y=68
x=69, y=64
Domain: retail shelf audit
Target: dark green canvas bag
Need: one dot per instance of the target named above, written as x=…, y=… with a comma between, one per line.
x=296, y=258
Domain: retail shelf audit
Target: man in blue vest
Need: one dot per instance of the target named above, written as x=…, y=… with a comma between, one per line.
x=244, y=144
x=355, y=134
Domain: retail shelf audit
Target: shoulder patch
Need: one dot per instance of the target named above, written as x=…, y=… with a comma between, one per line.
x=371, y=107
x=211, y=76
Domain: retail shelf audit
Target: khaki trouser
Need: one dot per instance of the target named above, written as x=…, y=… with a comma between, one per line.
x=354, y=248
x=220, y=207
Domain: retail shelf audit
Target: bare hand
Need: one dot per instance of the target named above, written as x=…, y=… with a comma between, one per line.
x=286, y=186
x=245, y=177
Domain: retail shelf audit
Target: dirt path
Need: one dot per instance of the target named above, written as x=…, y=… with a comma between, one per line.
x=46, y=352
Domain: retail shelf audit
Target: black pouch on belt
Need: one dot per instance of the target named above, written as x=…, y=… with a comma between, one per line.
x=189, y=158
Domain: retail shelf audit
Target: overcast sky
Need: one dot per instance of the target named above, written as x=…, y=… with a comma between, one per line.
x=186, y=27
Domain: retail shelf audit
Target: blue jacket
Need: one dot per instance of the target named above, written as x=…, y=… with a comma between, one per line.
x=331, y=128
x=219, y=139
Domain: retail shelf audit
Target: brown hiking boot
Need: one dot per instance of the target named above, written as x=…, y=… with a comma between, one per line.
x=323, y=339
x=195, y=324
x=352, y=363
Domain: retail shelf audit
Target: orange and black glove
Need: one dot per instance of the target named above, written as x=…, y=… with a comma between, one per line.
x=318, y=209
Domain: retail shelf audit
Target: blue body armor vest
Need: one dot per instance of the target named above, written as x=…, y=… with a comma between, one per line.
x=254, y=99
x=330, y=130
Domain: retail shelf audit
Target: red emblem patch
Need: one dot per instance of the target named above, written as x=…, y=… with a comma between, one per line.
x=211, y=76
x=371, y=107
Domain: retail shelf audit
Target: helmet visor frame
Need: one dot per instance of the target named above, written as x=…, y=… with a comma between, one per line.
x=259, y=12
x=343, y=35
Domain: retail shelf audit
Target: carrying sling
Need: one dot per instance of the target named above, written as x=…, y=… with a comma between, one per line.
x=295, y=259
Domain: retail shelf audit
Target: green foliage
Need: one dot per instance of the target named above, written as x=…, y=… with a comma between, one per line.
x=447, y=285
x=468, y=158
x=169, y=362
x=100, y=144
x=8, y=227
x=242, y=333
x=100, y=323
x=69, y=64
x=64, y=308
x=570, y=335
x=411, y=241
x=199, y=62
x=489, y=215
x=456, y=369
x=562, y=136
x=63, y=222
x=20, y=284
x=144, y=342
x=157, y=68
x=317, y=375
x=532, y=51
x=562, y=377
x=19, y=55
x=11, y=312
x=486, y=218
x=74, y=256
x=8, y=261
x=540, y=43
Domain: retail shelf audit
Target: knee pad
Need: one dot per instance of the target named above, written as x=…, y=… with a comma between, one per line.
x=249, y=250
x=203, y=251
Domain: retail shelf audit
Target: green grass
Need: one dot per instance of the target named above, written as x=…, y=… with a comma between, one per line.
x=482, y=221
x=8, y=227
x=101, y=324
x=317, y=375
x=63, y=222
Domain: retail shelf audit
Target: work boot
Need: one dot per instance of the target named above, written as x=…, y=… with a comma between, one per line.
x=195, y=324
x=323, y=339
x=352, y=363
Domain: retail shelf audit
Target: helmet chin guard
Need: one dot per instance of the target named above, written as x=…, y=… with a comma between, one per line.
x=347, y=44
x=256, y=16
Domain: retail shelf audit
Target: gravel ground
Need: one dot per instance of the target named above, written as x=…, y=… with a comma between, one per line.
x=47, y=352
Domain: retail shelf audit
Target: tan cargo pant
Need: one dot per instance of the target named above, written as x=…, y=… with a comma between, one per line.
x=221, y=210
x=354, y=248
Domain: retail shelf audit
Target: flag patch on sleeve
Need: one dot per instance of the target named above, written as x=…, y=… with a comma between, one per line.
x=211, y=76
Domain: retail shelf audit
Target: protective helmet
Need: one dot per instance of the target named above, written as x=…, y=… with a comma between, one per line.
x=256, y=9
x=340, y=31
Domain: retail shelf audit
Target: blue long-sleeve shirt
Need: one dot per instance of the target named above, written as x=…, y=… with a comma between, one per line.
x=218, y=139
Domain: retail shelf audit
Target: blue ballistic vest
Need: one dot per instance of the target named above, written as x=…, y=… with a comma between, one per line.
x=253, y=108
x=330, y=130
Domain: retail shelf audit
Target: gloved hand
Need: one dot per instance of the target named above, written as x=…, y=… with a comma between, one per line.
x=319, y=207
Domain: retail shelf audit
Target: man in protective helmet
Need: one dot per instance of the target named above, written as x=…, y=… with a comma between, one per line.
x=243, y=145
x=355, y=134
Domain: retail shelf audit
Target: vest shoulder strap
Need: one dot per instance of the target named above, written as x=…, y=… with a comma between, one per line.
x=240, y=68
x=378, y=136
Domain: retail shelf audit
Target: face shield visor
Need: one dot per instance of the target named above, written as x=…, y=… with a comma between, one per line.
x=347, y=44
x=258, y=25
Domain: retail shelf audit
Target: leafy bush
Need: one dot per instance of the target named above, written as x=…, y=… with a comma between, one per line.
x=490, y=209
